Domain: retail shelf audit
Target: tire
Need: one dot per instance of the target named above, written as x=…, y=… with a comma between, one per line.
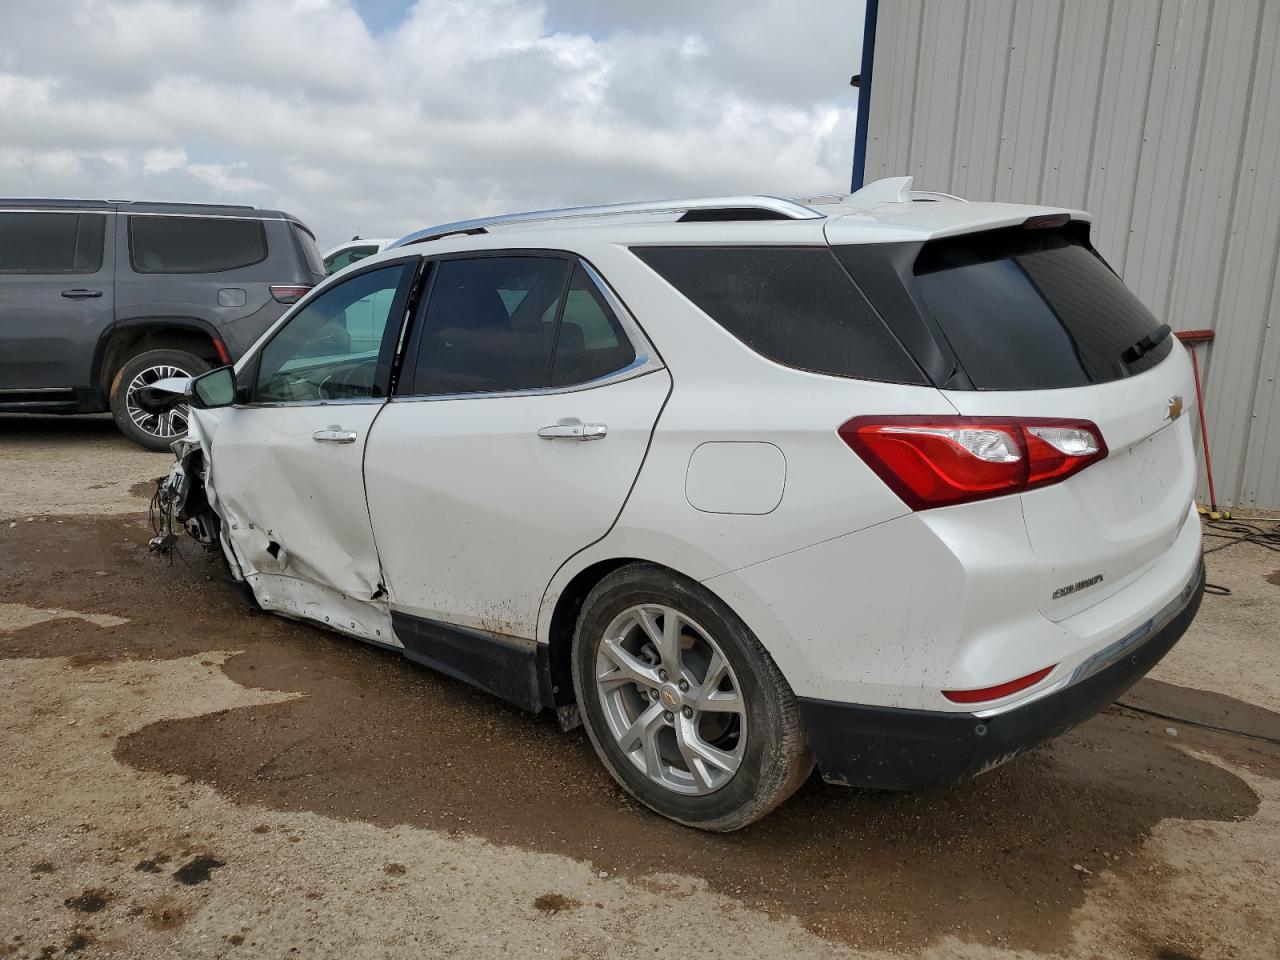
x=153, y=431
x=750, y=726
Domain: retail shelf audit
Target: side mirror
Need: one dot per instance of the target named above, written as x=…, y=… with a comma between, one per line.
x=217, y=388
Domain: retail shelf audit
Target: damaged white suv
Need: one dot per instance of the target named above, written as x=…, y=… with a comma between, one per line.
x=890, y=482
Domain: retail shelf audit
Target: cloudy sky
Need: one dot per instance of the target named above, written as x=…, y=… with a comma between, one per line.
x=380, y=116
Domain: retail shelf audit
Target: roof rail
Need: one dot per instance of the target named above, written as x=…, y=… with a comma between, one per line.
x=778, y=208
x=52, y=202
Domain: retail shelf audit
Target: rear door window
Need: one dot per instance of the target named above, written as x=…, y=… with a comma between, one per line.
x=490, y=325
x=49, y=243
x=159, y=244
x=1034, y=309
x=794, y=305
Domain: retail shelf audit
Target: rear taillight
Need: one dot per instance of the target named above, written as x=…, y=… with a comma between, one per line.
x=938, y=461
x=289, y=292
x=986, y=694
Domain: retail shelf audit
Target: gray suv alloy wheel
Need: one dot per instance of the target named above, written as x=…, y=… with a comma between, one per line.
x=155, y=431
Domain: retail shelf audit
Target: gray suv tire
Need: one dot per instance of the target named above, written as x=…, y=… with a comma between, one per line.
x=153, y=431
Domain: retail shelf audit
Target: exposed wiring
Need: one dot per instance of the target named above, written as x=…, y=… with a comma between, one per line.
x=160, y=512
x=1241, y=531
x=1197, y=723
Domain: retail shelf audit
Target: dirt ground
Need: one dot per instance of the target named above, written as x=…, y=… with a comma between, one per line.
x=180, y=777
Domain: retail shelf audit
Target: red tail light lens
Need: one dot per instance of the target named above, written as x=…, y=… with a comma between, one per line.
x=289, y=292
x=938, y=461
x=999, y=690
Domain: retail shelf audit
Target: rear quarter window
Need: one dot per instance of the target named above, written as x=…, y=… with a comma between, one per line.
x=794, y=305
x=160, y=244
x=1033, y=310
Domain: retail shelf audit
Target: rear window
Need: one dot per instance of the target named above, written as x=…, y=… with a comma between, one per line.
x=343, y=258
x=51, y=242
x=794, y=305
x=311, y=253
x=194, y=244
x=1034, y=309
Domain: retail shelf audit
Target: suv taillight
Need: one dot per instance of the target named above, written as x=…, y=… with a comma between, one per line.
x=938, y=461
x=289, y=292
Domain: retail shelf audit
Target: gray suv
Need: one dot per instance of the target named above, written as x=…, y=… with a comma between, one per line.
x=100, y=298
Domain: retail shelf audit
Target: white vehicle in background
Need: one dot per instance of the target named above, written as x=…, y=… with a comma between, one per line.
x=357, y=248
x=891, y=483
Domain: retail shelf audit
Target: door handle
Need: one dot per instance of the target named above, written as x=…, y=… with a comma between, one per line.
x=334, y=435
x=574, y=430
x=81, y=294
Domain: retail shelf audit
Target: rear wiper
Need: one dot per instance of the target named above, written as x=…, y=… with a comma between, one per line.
x=1147, y=344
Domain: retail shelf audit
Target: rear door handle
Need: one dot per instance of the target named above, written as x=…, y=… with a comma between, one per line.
x=573, y=430
x=334, y=435
x=81, y=294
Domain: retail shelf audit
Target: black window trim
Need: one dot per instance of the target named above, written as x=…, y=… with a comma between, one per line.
x=133, y=262
x=247, y=370
x=647, y=359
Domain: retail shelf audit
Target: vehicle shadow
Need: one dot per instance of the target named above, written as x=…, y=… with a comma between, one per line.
x=379, y=739
x=54, y=429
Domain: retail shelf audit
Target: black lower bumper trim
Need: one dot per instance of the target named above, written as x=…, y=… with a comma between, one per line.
x=890, y=748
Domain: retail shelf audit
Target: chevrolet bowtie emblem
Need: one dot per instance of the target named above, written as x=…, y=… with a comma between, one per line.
x=1174, y=410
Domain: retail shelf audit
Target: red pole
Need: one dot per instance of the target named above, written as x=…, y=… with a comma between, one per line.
x=1191, y=338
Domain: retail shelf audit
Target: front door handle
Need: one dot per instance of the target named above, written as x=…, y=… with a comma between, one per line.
x=334, y=435
x=81, y=294
x=573, y=430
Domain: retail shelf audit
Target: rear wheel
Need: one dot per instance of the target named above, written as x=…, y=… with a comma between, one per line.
x=682, y=704
x=155, y=431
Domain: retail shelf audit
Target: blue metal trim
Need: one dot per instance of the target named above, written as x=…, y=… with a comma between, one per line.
x=864, y=96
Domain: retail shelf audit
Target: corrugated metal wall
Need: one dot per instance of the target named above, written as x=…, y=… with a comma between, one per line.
x=1162, y=118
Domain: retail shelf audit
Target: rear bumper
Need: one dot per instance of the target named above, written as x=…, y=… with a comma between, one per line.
x=892, y=748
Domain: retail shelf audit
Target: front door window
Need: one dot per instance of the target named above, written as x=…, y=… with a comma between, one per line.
x=335, y=348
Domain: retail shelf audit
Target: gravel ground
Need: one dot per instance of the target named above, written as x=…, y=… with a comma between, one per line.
x=181, y=778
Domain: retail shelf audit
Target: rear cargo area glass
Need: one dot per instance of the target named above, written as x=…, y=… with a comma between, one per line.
x=1034, y=309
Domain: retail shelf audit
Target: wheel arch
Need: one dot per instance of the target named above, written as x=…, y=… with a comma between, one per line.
x=563, y=618
x=562, y=604
x=127, y=338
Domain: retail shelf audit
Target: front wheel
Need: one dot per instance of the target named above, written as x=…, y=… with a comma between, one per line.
x=683, y=705
x=155, y=431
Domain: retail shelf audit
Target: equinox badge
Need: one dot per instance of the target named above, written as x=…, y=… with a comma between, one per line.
x=1078, y=585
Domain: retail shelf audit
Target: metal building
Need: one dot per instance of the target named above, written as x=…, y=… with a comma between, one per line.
x=1161, y=117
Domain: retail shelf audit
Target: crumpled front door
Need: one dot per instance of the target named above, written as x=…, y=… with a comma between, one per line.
x=290, y=487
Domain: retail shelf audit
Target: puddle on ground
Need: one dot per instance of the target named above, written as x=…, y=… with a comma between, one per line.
x=378, y=739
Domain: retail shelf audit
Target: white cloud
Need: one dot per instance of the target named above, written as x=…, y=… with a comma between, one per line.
x=466, y=108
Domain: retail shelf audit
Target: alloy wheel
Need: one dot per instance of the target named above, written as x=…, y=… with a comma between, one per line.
x=168, y=425
x=671, y=699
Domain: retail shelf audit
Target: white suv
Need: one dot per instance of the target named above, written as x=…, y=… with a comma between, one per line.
x=890, y=482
